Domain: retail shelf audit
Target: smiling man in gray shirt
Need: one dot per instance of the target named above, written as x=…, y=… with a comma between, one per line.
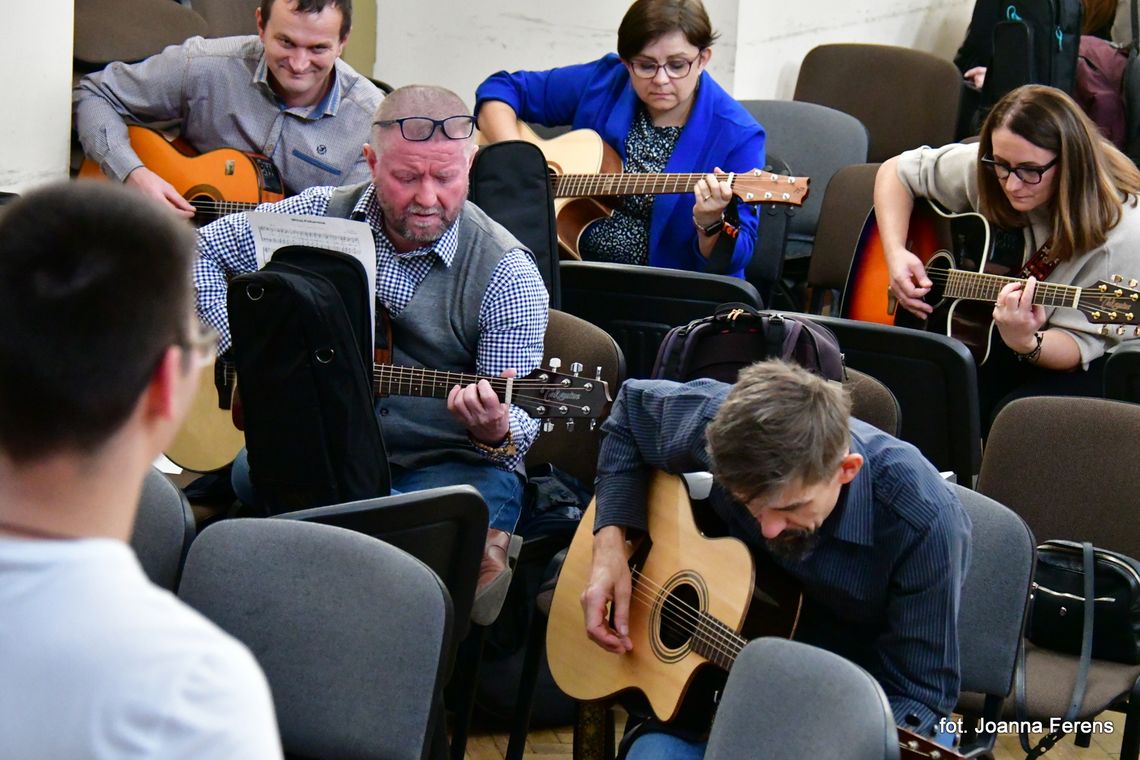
x=284, y=93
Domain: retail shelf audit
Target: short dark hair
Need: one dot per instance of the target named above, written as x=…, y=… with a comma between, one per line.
x=315, y=6
x=778, y=426
x=646, y=20
x=94, y=286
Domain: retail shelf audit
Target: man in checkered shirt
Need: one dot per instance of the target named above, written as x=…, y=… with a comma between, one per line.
x=462, y=292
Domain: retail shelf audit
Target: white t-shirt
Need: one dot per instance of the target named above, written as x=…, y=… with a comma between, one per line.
x=97, y=662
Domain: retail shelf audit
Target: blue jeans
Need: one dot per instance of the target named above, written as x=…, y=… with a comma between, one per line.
x=502, y=490
x=660, y=746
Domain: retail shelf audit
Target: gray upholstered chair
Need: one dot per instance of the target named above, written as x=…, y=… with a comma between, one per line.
x=1046, y=460
x=906, y=98
x=991, y=618
x=163, y=530
x=350, y=631
x=873, y=402
x=775, y=683
x=846, y=203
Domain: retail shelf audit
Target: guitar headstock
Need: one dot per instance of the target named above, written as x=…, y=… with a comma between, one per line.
x=549, y=394
x=915, y=747
x=759, y=186
x=1110, y=303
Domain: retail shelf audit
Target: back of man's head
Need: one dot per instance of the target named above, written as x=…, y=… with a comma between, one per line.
x=780, y=425
x=94, y=287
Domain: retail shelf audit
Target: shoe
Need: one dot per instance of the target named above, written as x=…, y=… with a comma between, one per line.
x=491, y=591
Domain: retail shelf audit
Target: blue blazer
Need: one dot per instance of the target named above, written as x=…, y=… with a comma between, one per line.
x=599, y=96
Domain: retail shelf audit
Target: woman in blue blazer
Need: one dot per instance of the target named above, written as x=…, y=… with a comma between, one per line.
x=658, y=108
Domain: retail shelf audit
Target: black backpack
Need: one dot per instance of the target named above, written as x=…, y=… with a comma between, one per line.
x=737, y=335
x=301, y=343
x=510, y=182
x=1038, y=42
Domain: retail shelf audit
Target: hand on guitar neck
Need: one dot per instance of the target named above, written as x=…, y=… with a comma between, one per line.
x=156, y=187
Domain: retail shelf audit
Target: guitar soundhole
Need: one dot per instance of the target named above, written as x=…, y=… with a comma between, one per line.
x=937, y=269
x=679, y=616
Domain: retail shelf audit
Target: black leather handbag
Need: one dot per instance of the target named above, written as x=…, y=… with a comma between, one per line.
x=1057, y=618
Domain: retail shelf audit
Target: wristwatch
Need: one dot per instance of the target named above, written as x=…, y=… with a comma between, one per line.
x=711, y=229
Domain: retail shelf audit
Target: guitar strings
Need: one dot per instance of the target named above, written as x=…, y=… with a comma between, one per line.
x=1046, y=294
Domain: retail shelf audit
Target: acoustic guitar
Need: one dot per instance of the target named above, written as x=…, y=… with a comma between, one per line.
x=210, y=438
x=585, y=169
x=215, y=183
x=691, y=597
x=963, y=298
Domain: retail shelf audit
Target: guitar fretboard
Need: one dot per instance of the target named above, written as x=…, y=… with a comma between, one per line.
x=221, y=208
x=978, y=286
x=392, y=380
x=716, y=642
x=578, y=185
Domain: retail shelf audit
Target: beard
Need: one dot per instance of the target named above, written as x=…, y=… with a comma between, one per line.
x=793, y=544
x=402, y=225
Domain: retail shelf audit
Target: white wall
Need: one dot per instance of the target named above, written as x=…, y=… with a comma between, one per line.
x=774, y=37
x=456, y=43
x=36, y=91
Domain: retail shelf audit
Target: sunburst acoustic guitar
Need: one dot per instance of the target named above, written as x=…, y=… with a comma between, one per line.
x=964, y=289
x=695, y=603
x=215, y=183
x=586, y=177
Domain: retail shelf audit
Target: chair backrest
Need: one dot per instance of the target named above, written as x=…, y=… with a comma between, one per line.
x=815, y=141
x=906, y=98
x=445, y=528
x=637, y=305
x=995, y=594
x=934, y=379
x=1046, y=458
x=227, y=18
x=130, y=30
x=350, y=631
x=787, y=701
x=1122, y=373
x=873, y=402
x=847, y=201
x=163, y=530
x=573, y=339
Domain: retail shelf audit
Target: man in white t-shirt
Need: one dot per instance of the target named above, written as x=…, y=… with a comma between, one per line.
x=99, y=358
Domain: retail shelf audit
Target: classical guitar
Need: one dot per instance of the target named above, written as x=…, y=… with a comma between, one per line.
x=216, y=183
x=584, y=169
x=210, y=439
x=963, y=298
x=691, y=598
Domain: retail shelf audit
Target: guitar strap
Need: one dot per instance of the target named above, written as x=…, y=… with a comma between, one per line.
x=1040, y=264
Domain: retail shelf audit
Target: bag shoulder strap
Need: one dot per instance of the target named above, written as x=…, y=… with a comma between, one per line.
x=1079, y=687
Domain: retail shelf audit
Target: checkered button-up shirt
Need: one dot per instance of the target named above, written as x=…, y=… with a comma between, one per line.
x=512, y=317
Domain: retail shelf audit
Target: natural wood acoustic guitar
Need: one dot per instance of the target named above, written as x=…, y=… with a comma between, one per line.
x=586, y=176
x=691, y=599
x=215, y=183
x=964, y=289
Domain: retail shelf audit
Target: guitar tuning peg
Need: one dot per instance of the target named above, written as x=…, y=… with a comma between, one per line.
x=1103, y=330
x=547, y=426
x=1120, y=331
x=1117, y=278
x=594, y=423
x=1136, y=332
x=598, y=372
x=569, y=426
x=1133, y=283
x=575, y=368
x=555, y=363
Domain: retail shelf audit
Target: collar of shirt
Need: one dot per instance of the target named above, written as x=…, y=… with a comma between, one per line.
x=327, y=105
x=444, y=248
x=853, y=518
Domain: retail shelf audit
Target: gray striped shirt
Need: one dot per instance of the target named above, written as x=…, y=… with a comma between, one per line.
x=217, y=92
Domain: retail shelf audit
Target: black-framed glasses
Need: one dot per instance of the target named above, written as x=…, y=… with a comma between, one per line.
x=675, y=68
x=1030, y=175
x=420, y=128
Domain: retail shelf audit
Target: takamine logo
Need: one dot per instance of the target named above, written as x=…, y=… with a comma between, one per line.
x=564, y=395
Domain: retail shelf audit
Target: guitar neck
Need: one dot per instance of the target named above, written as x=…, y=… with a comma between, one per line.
x=979, y=286
x=577, y=185
x=393, y=380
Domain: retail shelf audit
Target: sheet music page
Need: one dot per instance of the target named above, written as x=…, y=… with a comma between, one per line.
x=274, y=231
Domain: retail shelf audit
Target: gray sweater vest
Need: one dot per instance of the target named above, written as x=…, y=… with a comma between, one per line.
x=438, y=329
